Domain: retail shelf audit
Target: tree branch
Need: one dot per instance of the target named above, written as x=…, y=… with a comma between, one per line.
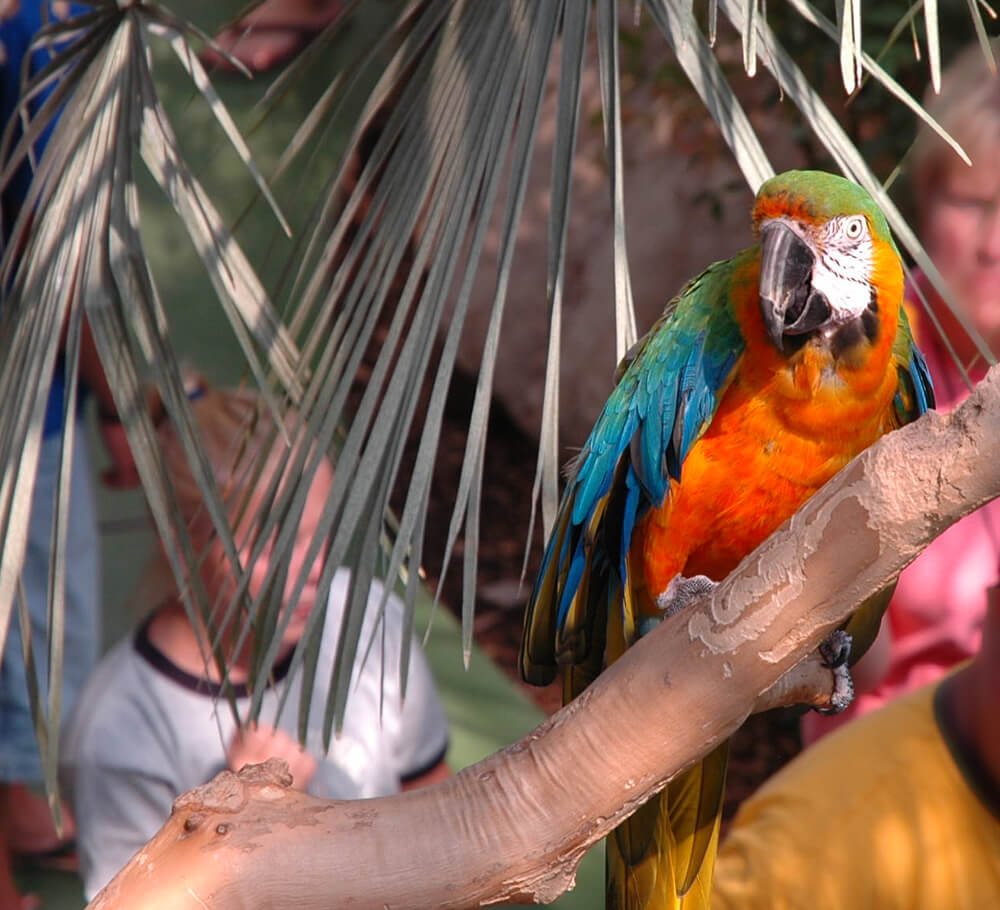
x=513, y=827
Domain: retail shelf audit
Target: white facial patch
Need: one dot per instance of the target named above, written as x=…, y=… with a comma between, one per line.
x=843, y=267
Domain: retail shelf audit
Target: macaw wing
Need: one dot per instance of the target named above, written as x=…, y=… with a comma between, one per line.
x=864, y=623
x=668, y=388
x=915, y=393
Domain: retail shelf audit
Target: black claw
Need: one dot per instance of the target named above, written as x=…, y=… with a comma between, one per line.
x=836, y=649
x=843, y=692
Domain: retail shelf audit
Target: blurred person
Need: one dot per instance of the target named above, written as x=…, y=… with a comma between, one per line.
x=153, y=721
x=900, y=809
x=935, y=617
x=272, y=33
x=27, y=831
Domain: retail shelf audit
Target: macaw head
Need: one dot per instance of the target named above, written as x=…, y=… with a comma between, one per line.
x=826, y=252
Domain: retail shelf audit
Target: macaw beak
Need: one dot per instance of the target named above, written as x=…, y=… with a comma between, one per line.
x=788, y=302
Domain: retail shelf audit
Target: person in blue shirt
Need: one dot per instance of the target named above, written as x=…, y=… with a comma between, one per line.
x=26, y=826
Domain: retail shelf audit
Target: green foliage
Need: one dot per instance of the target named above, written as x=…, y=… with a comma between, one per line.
x=883, y=130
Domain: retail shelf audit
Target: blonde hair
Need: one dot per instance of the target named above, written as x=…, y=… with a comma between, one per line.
x=968, y=108
x=238, y=435
x=241, y=441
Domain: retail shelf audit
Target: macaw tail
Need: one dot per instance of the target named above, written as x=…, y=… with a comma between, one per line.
x=580, y=616
x=663, y=856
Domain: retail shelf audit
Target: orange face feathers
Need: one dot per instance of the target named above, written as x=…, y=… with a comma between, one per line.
x=782, y=204
x=814, y=197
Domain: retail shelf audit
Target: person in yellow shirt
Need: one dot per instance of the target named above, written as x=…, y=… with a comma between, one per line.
x=899, y=809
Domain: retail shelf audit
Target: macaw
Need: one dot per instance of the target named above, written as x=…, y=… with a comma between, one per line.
x=766, y=374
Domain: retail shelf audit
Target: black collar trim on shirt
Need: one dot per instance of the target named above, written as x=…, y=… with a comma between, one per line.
x=421, y=770
x=159, y=661
x=970, y=766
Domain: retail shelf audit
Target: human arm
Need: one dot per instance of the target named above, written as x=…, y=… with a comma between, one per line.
x=123, y=760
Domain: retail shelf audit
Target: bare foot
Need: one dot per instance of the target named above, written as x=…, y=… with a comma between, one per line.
x=274, y=32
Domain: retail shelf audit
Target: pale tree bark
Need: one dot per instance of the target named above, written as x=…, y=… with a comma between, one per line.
x=514, y=827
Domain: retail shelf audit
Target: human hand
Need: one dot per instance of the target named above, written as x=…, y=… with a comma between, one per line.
x=258, y=743
x=123, y=474
x=9, y=9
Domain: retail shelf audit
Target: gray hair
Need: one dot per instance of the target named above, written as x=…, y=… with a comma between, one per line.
x=968, y=107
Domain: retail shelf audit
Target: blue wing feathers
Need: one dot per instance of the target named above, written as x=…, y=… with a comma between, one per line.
x=667, y=391
x=915, y=393
x=657, y=425
x=573, y=577
x=593, y=478
x=703, y=395
x=923, y=387
x=629, y=518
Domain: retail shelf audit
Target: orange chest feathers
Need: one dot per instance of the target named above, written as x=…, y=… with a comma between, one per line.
x=780, y=432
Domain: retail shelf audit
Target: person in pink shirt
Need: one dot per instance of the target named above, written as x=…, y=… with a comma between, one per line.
x=936, y=615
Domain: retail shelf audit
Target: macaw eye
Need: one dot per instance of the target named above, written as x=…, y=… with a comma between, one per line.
x=854, y=227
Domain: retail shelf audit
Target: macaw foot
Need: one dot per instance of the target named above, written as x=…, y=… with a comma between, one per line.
x=842, y=694
x=681, y=592
x=835, y=651
x=821, y=680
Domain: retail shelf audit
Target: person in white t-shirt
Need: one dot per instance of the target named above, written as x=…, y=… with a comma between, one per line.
x=153, y=721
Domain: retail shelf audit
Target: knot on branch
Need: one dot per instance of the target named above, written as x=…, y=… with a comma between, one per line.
x=228, y=792
x=979, y=414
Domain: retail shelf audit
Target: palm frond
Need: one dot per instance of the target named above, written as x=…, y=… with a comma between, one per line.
x=981, y=36
x=872, y=68
x=571, y=62
x=702, y=68
x=75, y=256
x=607, y=46
x=933, y=42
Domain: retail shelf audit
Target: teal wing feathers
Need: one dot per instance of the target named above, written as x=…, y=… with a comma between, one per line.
x=667, y=392
x=915, y=394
